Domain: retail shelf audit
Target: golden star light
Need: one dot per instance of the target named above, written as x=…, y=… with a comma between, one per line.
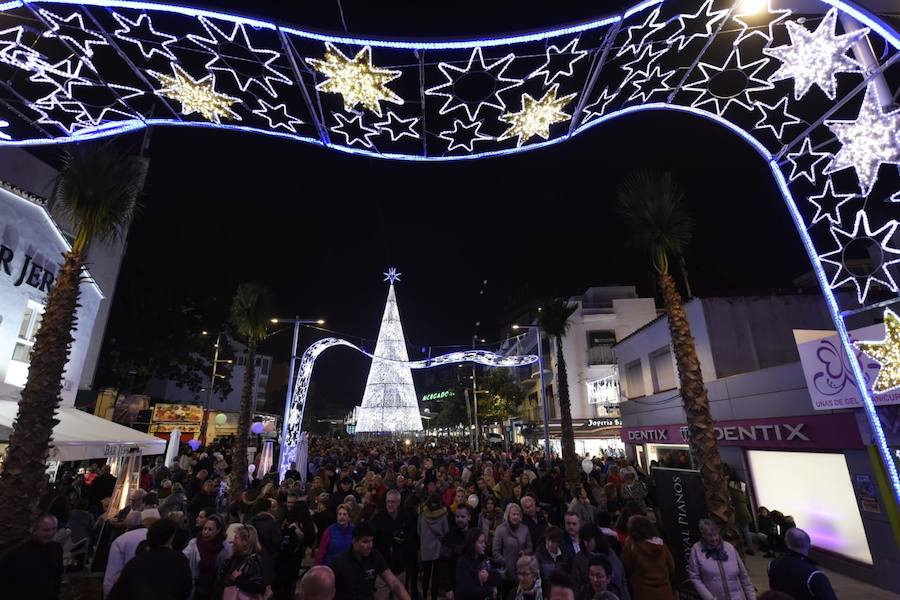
x=357, y=80
x=196, y=96
x=887, y=353
x=536, y=116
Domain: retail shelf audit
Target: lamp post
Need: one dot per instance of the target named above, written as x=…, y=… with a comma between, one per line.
x=212, y=384
x=297, y=321
x=544, y=413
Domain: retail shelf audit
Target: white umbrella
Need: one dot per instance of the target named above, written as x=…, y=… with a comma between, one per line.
x=172, y=449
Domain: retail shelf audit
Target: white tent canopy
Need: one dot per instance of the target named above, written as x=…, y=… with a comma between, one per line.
x=82, y=436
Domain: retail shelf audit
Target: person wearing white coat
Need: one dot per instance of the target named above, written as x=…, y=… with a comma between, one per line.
x=716, y=569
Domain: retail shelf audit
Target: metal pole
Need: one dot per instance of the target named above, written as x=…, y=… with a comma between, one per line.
x=290, y=389
x=475, y=406
x=543, y=395
x=209, y=392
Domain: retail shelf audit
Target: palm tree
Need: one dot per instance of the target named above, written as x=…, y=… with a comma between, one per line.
x=251, y=310
x=97, y=190
x=554, y=320
x=651, y=204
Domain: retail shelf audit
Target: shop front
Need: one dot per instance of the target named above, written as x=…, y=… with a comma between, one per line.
x=187, y=418
x=593, y=437
x=801, y=466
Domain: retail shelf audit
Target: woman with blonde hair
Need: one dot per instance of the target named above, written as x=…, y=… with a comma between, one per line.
x=244, y=573
x=528, y=575
x=511, y=539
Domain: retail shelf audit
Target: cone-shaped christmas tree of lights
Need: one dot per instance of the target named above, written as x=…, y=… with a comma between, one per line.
x=389, y=402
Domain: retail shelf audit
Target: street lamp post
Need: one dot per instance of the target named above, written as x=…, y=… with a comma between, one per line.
x=212, y=384
x=544, y=412
x=297, y=321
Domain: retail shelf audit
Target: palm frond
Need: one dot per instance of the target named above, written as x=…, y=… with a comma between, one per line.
x=554, y=318
x=251, y=311
x=97, y=188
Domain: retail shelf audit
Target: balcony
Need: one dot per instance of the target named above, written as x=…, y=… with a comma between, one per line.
x=601, y=355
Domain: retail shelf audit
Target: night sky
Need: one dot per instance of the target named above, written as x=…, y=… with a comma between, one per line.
x=320, y=226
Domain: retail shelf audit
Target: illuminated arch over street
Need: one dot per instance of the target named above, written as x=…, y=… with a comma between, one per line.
x=812, y=94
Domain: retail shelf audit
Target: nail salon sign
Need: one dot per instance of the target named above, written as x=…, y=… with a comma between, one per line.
x=827, y=370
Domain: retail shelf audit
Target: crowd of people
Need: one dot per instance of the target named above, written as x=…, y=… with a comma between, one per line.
x=388, y=518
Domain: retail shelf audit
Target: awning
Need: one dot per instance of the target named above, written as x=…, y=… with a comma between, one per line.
x=82, y=436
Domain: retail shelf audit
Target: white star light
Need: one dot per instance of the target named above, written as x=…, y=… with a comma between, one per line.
x=733, y=62
x=749, y=22
x=895, y=197
x=55, y=112
x=654, y=81
x=392, y=275
x=602, y=101
x=464, y=136
x=646, y=57
x=828, y=204
x=362, y=134
x=64, y=75
x=814, y=57
x=775, y=117
x=75, y=34
x=277, y=116
x=870, y=141
x=862, y=230
x=703, y=14
x=453, y=74
x=149, y=41
x=4, y=136
x=258, y=57
x=405, y=126
x=553, y=53
x=649, y=26
x=810, y=160
x=13, y=52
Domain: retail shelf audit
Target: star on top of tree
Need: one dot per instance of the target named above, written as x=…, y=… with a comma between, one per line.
x=357, y=80
x=392, y=275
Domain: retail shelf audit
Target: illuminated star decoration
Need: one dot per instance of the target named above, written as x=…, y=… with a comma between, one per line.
x=196, y=95
x=702, y=21
x=733, y=62
x=814, y=57
x=357, y=80
x=4, y=136
x=776, y=117
x=895, y=197
x=392, y=275
x=454, y=74
x=536, y=116
x=602, y=101
x=553, y=68
x=353, y=129
x=648, y=28
x=464, y=136
x=63, y=75
x=646, y=57
x=862, y=231
x=57, y=107
x=72, y=30
x=277, y=116
x=748, y=23
x=886, y=353
x=867, y=142
x=828, y=204
x=67, y=115
x=144, y=36
x=240, y=53
x=397, y=127
x=652, y=82
x=14, y=52
x=804, y=163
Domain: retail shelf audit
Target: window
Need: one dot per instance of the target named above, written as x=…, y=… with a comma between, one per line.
x=604, y=391
x=265, y=367
x=662, y=371
x=634, y=379
x=601, y=338
x=17, y=372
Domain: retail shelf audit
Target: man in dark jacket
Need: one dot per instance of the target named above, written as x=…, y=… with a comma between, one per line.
x=34, y=568
x=390, y=531
x=452, y=548
x=157, y=572
x=268, y=528
x=795, y=574
x=534, y=519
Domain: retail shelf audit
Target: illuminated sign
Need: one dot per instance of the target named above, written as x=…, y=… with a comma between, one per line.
x=604, y=391
x=438, y=395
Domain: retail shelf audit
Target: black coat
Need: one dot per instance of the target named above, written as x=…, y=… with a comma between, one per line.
x=31, y=570
x=156, y=574
x=797, y=575
x=252, y=579
x=468, y=586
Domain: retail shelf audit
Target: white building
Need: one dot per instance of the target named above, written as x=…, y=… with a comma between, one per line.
x=803, y=462
x=603, y=316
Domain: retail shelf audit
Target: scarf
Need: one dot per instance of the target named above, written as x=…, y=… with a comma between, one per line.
x=533, y=594
x=716, y=552
x=209, y=551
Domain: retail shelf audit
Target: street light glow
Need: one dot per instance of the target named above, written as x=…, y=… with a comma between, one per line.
x=274, y=320
x=320, y=322
x=515, y=326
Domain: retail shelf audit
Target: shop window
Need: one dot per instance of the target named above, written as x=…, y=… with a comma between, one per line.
x=662, y=371
x=634, y=379
x=17, y=371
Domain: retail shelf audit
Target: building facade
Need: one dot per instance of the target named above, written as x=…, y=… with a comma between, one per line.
x=803, y=462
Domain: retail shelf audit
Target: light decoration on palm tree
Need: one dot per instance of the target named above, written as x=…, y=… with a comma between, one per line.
x=887, y=353
x=536, y=116
x=196, y=95
x=815, y=57
x=357, y=80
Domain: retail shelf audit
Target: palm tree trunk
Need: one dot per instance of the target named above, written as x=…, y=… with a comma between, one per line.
x=239, y=450
x=573, y=476
x=23, y=483
x=704, y=445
